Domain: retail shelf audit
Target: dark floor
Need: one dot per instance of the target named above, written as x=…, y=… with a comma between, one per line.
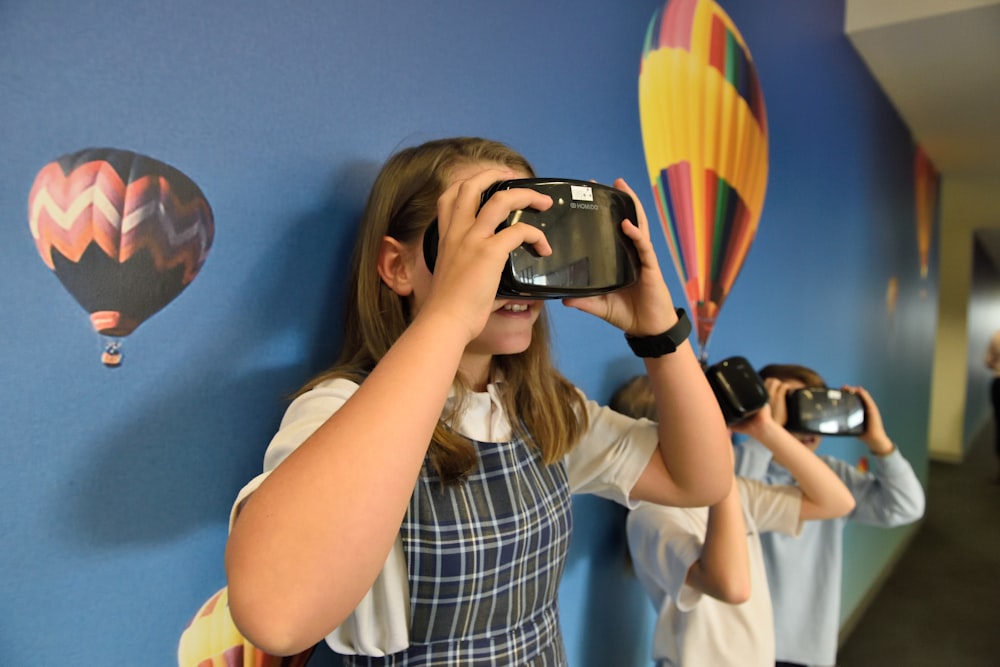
x=941, y=604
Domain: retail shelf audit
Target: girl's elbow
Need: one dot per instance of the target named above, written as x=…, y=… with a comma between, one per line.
x=718, y=488
x=844, y=507
x=708, y=489
x=268, y=628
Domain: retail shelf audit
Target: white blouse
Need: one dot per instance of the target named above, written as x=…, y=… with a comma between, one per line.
x=607, y=462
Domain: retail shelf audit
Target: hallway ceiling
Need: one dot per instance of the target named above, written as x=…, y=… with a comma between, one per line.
x=938, y=62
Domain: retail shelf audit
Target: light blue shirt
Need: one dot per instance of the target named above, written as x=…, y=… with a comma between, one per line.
x=804, y=573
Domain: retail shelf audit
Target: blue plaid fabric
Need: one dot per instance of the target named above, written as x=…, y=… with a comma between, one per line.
x=485, y=558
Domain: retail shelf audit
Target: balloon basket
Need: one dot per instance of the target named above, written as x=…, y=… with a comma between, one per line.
x=111, y=353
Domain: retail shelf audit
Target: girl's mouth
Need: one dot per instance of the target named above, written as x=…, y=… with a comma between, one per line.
x=515, y=307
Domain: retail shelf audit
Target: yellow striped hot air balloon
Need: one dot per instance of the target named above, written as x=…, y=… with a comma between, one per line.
x=212, y=640
x=704, y=131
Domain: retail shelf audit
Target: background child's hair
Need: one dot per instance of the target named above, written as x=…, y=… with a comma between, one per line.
x=635, y=399
x=803, y=374
x=544, y=408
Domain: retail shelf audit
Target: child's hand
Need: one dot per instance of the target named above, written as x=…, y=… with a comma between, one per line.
x=645, y=308
x=778, y=391
x=874, y=436
x=471, y=254
x=756, y=424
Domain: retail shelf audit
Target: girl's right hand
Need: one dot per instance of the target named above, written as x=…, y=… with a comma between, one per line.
x=471, y=253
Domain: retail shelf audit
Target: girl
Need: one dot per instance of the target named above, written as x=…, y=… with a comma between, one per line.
x=415, y=504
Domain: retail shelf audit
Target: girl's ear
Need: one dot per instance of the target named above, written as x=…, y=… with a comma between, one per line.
x=393, y=266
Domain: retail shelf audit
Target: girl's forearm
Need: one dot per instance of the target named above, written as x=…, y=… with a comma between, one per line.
x=694, y=441
x=311, y=540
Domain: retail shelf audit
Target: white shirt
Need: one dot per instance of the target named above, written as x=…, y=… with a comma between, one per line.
x=693, y=629
x=607, y=461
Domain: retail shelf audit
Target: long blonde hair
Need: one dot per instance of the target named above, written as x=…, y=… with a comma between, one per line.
x=543, y=406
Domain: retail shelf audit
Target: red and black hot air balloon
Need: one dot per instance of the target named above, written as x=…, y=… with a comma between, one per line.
x=123, y=232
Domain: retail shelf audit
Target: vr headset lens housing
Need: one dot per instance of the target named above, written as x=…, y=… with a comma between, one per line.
x=590, y=253
x=825, y=411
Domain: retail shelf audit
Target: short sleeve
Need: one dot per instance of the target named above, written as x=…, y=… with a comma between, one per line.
x=304, y=415
x=664, y=543
x=612, y=454
x=774, y=507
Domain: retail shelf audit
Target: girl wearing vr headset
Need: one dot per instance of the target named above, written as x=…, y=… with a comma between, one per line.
x=415, y=505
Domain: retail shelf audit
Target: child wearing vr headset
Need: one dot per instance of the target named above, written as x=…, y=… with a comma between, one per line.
x=806, y=599
x=702, y=567
x=415, y=503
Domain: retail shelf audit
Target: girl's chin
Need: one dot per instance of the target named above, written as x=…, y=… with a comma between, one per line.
x=501, y=344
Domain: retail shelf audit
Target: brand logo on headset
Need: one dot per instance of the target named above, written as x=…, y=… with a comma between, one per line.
x=589, y=207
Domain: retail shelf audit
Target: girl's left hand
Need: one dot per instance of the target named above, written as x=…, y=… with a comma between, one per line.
x=645, y=308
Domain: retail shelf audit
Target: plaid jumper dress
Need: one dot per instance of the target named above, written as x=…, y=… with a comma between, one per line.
x=484, y=558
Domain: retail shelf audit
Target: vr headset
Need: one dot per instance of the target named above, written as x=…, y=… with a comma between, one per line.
x=590, y=253
x=825, y=411
x=818, y=410
x=738, y=388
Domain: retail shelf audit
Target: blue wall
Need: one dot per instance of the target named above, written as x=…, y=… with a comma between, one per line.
x=118, y=482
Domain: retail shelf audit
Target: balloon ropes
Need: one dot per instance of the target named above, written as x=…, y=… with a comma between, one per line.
x=124, y=234
x=704, y=132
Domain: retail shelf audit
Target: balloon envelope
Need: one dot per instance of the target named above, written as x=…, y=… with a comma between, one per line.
x=123, y=232
x=212, y=640
x=704, y=132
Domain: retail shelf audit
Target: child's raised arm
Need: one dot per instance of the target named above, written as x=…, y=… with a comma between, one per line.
x=824, y=495
x=694, y=466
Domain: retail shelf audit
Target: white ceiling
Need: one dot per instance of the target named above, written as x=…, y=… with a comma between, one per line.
x=938, y=61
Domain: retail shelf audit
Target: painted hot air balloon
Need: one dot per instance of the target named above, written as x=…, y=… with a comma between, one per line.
x=212, y=640
x=124, y=233
x=704, y=131
x=925, y=185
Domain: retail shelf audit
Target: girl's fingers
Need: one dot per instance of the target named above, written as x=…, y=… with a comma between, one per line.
x=518, y=235
x=466, y=222
x=460, y=201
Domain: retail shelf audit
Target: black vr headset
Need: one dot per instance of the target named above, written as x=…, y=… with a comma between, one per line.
x=590, y=252
x=818, y=410
x=825, y=411
x=738, y=388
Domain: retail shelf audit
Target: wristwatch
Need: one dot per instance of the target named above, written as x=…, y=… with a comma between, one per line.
x=664, y=343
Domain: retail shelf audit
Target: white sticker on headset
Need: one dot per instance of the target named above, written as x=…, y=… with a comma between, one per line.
x=582, y=192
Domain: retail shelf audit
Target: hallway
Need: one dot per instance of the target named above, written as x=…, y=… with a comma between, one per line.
x=941, y=605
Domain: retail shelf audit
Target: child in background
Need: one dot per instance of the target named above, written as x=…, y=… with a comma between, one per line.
x=703, y=568
x=805, y=573
x=415, y=503
x=992, y=362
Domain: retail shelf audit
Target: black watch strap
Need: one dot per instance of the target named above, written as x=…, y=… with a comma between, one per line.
x=664, y=343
